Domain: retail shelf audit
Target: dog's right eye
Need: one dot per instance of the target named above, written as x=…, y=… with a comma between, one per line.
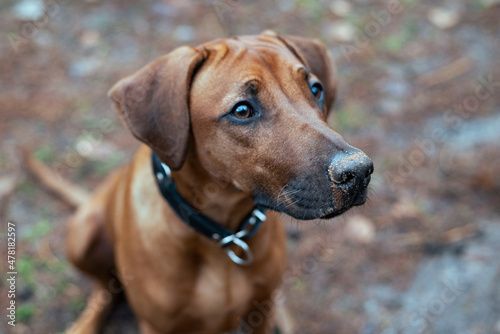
x=317, y=90
x=243, y=110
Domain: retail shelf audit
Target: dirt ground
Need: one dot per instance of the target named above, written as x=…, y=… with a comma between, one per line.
x=419, y=92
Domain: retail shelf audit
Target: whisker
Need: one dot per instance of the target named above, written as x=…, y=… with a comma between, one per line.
x=287, y=196
x=297, y=200
x=281, y=192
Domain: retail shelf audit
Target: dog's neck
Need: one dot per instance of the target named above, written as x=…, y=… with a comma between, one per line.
x=216, y=199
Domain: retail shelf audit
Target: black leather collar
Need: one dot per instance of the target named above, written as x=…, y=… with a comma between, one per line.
x=203, y=224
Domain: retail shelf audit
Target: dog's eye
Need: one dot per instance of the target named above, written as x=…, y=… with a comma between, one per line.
x=317, y=90
x=243, y=110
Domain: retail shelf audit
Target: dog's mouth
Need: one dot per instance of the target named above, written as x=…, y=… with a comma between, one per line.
x=322, y=195
x=334, y=213
x=306, y=200
x=359, y=200
x=311, y=207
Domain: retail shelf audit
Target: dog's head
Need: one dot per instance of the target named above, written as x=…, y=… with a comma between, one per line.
x=253, y=110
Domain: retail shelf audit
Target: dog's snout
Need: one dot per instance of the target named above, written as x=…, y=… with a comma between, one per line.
x=350, y=168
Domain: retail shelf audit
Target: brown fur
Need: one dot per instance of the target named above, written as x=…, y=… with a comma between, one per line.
x=176, y=280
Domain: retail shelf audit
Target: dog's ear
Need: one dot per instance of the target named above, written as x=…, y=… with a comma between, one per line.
x=154, y=103
x=315, y=57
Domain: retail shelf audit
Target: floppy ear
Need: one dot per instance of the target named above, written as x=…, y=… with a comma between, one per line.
x=315, y=57
x=154, y=103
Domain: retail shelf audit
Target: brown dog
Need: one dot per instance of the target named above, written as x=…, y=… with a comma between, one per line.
x=241, y=122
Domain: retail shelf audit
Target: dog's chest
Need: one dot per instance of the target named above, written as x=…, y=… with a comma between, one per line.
x=217, y=298
x=223, y=291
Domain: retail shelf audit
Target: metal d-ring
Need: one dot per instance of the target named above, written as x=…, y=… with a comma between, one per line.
x=167, y=171
x=244, y=247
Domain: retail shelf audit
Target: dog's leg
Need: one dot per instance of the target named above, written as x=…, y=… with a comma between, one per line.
x=99, y=305
x=283, y=320
x=90, y=249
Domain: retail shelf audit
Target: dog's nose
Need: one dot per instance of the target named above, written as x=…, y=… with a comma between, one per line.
x=350, y=169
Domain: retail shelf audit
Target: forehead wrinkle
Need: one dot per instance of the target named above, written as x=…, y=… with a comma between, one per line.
x=289, y=86
x=265, y=66
x=251, y=86
x=226, y=52
x=240, y=53
x=272, y=67
x=302, y=70
x=221, y=51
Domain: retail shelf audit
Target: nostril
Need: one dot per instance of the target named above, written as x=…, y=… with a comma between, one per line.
x=350, y=168
x=342, y=176
x=369, y=171
x=348, y=177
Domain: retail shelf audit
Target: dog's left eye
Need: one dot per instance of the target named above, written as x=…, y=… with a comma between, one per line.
x=317, y=90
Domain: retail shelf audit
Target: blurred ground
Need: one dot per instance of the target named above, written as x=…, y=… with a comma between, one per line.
x=419, y=92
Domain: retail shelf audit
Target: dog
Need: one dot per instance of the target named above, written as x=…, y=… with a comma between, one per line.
x=234, y=134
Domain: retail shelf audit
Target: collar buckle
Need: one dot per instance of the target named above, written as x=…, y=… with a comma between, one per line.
x=251, y=225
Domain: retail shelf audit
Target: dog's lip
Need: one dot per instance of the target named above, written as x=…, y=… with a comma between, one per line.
x=358, y=201
x=335, y=213
x=325, y=213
